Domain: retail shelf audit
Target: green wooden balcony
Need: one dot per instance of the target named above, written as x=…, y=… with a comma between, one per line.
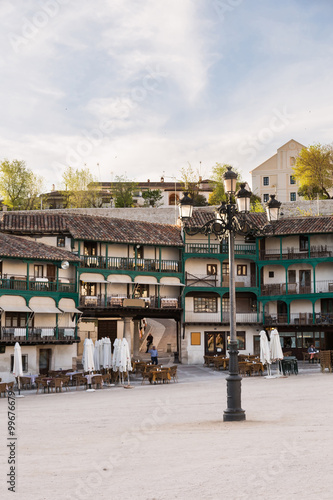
x=131, y=264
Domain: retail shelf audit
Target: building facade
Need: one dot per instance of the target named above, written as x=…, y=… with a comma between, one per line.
x=275, y=175
x=67, y=277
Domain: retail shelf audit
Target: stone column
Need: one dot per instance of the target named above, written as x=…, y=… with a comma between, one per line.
x=136, y=338
x=127, y=332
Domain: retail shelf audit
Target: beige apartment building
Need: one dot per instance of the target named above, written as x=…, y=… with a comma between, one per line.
x=275, y=175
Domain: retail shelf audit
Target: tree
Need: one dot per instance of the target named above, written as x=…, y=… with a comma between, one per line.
x=19, y=186
x=191, y=181
x=314, y=171
x=218, y=195
x=152, y=197
x=122, y=191
x=81, y=189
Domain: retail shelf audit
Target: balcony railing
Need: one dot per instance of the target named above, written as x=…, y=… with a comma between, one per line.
x=192, y=316
x=299, y=319
x=22, y=283
x=121, y=301
x=206, y=248
x=131, y=264
x=43, y=334
x=297, y=288
x=319, y=251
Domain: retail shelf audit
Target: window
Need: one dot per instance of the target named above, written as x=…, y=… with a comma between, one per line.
x=292, y=276
x=212, y=269
x=292, y=160
x=139, y=252
x=292, y=196
x=195, y=338
x=271, y=274
x=24, y=362
x=90, y=248
x=240, y=340
x=303, y=242
x=88, y=289
x=16, y=320
x=38, y=271
x=241, y=270
x=205, y=304
x=141, y=290
x=292, y=180
x=266, y=181
x=266, y=197
x=61, y=241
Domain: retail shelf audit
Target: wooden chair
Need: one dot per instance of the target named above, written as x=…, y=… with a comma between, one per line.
x=244, y=368
x=80, y=380
x=3, y=389
x=173, y=373
x=56, y=384
x=97, y=380
x=41, y=383
x=106, y=378
x=65, y=382
x=287, y=354
x=25, y=382
x=325, y=360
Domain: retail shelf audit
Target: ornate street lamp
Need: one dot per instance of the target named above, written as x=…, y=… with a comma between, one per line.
x=231, y=219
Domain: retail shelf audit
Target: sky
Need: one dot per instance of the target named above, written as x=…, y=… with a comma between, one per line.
x=143, y=88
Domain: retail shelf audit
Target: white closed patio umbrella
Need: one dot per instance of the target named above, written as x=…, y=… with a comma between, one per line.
x=124, y=361
x=276, y=349
x=17, y=368
x=107, y=355
x=97, y=354
x=115, y=357
x=265, y=355
x=88, y=359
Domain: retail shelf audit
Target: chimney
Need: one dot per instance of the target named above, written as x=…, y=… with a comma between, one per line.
x=53, y=187
x=162, y=179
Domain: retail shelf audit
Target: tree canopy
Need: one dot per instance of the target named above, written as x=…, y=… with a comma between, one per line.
x=191, y=180
x=218, y=195
x=19, y=186
x=81, y=189
x=314, y=171
x=122, y=191
x=152, y=198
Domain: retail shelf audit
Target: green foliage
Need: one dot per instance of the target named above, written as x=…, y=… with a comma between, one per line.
x=122, y=191
x=80, y=189
x=256, y=205
x=218, y=195
x=19, y=186
x=152, y=197
x=314, y=171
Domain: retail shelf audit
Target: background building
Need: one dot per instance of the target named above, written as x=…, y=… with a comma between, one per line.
x=275, y=175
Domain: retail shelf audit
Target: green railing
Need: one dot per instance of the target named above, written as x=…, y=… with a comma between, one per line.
x=131, y=264
x=22, y=284
x=204, y=248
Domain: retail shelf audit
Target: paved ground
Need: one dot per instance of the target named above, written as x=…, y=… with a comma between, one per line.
x=170, y=442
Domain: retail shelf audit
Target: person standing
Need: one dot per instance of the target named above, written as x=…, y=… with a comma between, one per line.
x=150, y=340
x=154, y=355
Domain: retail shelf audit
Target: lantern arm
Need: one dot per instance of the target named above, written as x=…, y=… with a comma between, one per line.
x=213, y=226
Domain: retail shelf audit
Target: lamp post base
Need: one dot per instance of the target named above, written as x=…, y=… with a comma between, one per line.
x=234, y=412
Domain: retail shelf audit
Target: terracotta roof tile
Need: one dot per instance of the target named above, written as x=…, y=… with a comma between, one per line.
x=14, y=246
x=88, y=227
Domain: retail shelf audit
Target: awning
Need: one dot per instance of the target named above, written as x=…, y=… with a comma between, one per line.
x=69, y=309
x=92, y=278
x=171, y=283
x=45, y=309
x=14, y=308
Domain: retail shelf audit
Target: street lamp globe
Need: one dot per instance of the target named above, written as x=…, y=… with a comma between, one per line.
x=273, y=209
x=243, y=197
x=185, y=207
x=229, y=181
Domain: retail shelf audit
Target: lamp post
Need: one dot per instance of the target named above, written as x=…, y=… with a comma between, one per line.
x=231, y=219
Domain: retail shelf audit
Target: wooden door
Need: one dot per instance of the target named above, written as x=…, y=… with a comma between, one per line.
x=45, y=356
x=51, y=272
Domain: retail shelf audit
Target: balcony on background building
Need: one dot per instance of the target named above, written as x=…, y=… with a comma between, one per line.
x=30, y=284
x=216, y=248
x=297, y=288
x=315, y=252
x=131, y=264
x=123, y=301
x=39, y=335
